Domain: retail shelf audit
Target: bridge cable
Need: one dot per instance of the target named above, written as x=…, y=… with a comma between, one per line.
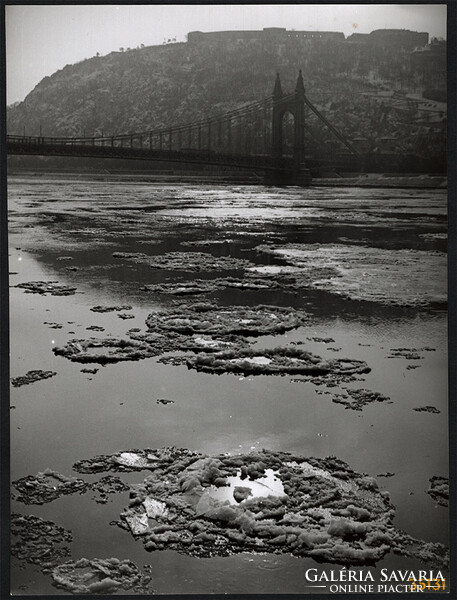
x=330, y=126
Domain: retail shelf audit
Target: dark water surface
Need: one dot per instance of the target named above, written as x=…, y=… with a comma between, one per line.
x=76, y=415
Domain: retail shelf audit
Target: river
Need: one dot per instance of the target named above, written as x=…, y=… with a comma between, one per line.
x=66, y=229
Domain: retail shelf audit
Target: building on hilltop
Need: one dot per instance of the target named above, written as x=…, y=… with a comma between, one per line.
x=392, y=38
x=430, y=63
x=266, y=35
x=197, y=37
x=401, y=38
x=335, y=36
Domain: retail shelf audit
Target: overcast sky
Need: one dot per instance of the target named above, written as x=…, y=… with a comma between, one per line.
x=43, y=39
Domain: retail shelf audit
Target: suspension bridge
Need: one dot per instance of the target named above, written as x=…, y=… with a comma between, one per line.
x=267, y=136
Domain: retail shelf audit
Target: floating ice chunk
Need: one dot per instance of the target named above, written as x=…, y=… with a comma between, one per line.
x=310, y=471
x=138, y=523
x=206, y=504
x=155, y=508
x=210, y=343
x=100, y=576
x=256, y=360
x=273, y=269
x=130, y=459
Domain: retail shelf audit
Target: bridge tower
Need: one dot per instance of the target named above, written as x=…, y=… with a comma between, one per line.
x=295, y=105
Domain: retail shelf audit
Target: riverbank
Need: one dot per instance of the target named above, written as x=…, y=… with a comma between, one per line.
x=378, y=180
x=365, y=180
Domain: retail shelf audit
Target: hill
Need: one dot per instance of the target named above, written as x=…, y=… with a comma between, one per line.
x=380, y=91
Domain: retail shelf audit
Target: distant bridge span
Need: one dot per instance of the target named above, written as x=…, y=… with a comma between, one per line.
x=100, y=148
x=252, y=137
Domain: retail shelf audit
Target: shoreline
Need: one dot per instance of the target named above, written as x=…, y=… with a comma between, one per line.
x=375, y=180
x=366, y=180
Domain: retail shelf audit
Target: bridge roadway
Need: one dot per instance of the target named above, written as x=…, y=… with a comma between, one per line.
x=106, y=148
x=98, y=147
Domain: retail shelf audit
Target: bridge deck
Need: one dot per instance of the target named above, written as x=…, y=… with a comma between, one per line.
x=95, y=149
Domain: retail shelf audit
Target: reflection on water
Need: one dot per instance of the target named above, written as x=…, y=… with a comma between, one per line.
x=267, y=485
x=78, y=415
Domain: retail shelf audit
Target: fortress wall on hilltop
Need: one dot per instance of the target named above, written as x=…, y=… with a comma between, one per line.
x=270, y=34
x=399, y=38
